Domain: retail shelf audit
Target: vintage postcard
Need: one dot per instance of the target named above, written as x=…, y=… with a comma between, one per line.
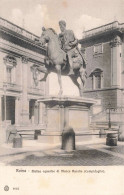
x=62, y=97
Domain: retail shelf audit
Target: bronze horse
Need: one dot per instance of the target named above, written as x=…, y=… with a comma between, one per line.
x=57, y=60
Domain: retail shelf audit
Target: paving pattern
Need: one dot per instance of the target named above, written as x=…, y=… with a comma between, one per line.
x=84, y=155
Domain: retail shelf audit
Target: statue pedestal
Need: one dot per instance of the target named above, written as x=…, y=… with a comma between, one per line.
x=70, y=111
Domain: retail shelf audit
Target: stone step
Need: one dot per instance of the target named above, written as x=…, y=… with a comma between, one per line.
x=28, y=137
x=26, y=134
x=30, y=127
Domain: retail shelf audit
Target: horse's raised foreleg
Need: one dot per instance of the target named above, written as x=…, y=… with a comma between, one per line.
x=58, y=68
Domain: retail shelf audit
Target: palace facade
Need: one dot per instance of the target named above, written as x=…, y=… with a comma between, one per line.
x=104, y=50
x=21, y=68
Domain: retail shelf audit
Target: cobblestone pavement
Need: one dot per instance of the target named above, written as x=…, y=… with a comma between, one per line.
x=85, y=155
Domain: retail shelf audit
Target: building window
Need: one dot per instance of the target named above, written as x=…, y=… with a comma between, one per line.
x=98, y=81
x=98, y=49
x=10, y=68
x=97, y=78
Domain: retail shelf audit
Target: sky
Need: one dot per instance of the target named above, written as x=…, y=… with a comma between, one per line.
x=80, y=15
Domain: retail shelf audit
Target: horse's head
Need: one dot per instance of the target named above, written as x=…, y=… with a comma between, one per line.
x=46, y=35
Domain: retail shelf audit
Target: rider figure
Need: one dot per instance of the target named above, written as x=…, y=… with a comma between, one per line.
x=69, y=43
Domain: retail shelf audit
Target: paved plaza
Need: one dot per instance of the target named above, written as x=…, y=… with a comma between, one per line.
x=88, y=153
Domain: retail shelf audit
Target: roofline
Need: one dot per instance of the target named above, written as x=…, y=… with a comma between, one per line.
x=110, y=27
x=19, y=32
x=102, y=26
x=19, y=27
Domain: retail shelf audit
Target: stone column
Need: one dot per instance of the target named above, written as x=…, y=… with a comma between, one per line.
x=25, y=101
x=41, y=107
x=36, y=113
x=17, y=110
x=116, y=62
x=2, y=129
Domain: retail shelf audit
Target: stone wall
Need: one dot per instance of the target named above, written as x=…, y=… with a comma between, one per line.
x=113, y=96
x=101, y=61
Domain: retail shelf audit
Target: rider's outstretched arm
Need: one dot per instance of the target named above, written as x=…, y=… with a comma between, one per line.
x=74, y=42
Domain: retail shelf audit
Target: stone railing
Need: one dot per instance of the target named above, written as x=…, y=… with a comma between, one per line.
x=116, y=110
x=17, y=29
x=104, y=28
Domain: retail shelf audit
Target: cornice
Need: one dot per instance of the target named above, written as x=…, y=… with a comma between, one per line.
x=102, y=36
x=103, y=89
x=20, y=51
x=24, y=36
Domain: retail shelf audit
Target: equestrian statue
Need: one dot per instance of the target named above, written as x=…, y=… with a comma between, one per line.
x=63, y=56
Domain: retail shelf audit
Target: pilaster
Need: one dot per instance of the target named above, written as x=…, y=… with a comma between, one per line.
x=41, y=108
x=116, y=61
x=17, y=110
x=25, y=101
x=2, y=128
x=0, y=110
x=2, y=67
x=36, y=113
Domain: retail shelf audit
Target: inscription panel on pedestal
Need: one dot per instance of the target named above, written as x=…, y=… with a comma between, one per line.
x=53, y=118
x=78, y=119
